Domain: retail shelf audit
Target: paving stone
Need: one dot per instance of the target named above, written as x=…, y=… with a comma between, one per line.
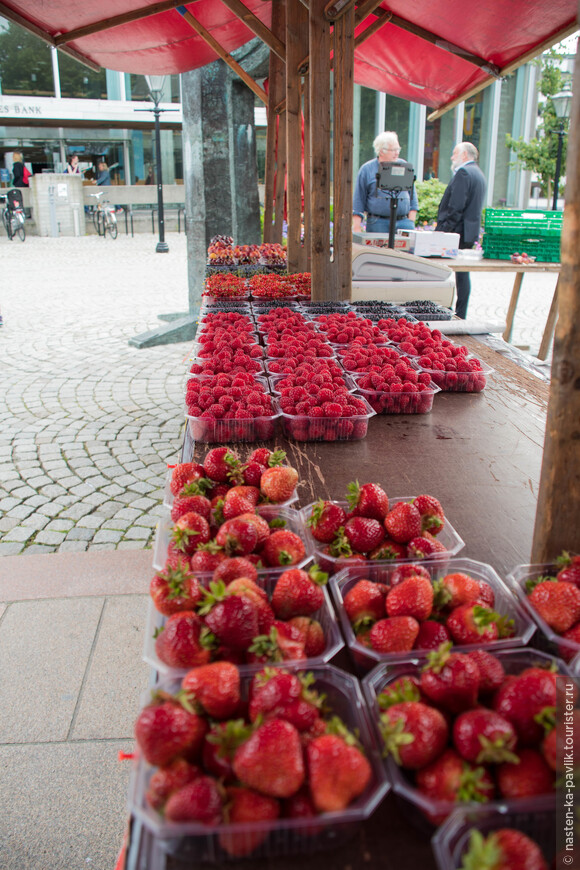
x=37, y=549
x=107, y=536
x=113, y=490
x=21, y=493
x=95, y=498
x=143, y=504
x=80, y=534
x=76, y=511
x=53, y=490
x=21, y=512
x=37, y=482
x=92, y=521
x=10, y=549
x=51, y=509
x=7, y=523
x=130, y=545
x=9, y=503
x=35, y=521
x=20, y=534
x=36, y=500
x=116, y=523
x=73, y=546
x=82, y=490
x=51, y=538
x=59, y=525
x=139, y=533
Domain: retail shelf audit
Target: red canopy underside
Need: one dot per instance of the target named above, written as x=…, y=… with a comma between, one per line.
x=392, y=60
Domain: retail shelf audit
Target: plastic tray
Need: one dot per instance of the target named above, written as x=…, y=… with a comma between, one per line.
x=259, y=377
x=267, y=580
x=400, y=403
x=301, y=428
x=534, y=817
x=461, y=382
x=228, y=431
x=514, y=661
x=196, y=843
x=366, y=658
x=199, y=361
x=545, y=250
x=546, y=638
x=292, y=518
x=450, y=539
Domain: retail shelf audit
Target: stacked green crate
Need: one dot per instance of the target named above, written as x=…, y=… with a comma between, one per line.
x=509, y=231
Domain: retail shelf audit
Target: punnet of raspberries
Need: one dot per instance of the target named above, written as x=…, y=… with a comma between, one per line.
x=227, y=407
x=468, y=727
x=309, y=378
x=224, y=285
x=397, y=389
x=346, y=328
x=325, y=414
x=238, y=754
x=273, y=254
x=368, y=357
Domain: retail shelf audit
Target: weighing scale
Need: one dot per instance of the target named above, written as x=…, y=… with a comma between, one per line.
x=395, y=276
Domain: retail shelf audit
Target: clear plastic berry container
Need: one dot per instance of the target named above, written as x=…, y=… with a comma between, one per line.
x=212, y=431
x=534, y=817
x=461, y=382
x=366, y=658
x=257, y=366
x=546, y=638
x=291, y=519
x=195, y=843
x=421, y=809
x=274, y=380
x=259, y=377
x=267, y=580
x=404, y=402
x=448, y=536
x=168, y=496
x=305, y=428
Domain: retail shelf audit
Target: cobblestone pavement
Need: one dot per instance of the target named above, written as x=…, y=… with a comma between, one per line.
x=88, y=423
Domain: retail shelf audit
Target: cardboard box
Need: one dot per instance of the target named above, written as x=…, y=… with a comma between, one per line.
x=381, y=240
x=424, y=243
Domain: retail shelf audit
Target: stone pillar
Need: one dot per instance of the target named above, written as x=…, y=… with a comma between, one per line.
x=193, y=171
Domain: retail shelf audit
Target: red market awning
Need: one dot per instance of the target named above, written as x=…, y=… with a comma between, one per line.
x=434, y=53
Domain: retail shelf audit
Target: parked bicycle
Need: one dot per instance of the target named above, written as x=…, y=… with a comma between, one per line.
x=104, y=217
x=13, y=216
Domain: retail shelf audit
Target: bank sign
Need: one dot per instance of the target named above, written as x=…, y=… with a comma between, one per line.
x=61, y=111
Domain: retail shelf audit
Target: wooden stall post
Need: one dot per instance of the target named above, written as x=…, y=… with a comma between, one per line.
x=296, y=45
x=276, y=78
x=343, y=139
x=305, y=260
x=557, y=524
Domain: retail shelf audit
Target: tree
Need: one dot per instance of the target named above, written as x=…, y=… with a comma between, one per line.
x=539, y=154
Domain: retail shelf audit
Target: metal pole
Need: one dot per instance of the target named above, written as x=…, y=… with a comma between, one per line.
x=162, y=246
x=558, y=167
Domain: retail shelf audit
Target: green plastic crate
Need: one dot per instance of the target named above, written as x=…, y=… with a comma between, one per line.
x=514, y=222
x=545, y=250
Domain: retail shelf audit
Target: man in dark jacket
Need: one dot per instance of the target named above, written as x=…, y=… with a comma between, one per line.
x=460, y=210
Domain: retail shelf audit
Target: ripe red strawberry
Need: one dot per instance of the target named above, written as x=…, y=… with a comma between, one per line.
x=337, y=772
x=475, y=623
x=215, y=687
x=280, y=695
x=185, y=504
x=267, y=457
x=453, y=590
x=424, y=547
x=298, y=592
x=395, y=634
x=198, y=801
x=491, y=671
x=558, y=603
x=260, y=524
x=431, y=635
x=325, y=520
x=207, y=557
x=569, y=569
x=277, y=484
x=530, y=776
x=189, y=532
x=526, y=701
x=249, y=589
x=403, y=571
x=220, y=463
x=174, y=590
x=183, y=473
x=369, y=500
x=365, y=602
x=165, y=730
x=432, y=516
x=388, y=551
x=232, y=619
x=238, y=537
x=363, y=534
x=504, y=849
x=168, y=779
x=233, y=567
x=252, y=473
x=245, y=806
x=282, y=643
x=271, y=760
x=412, y=597
x=250, y=493
x=486, y=594
x=450, y=680
x=283, y=547
x=219, y=747
x=451, y=778
x=237, y=504
x=402, y=689
x=183, y=643
x=311, y=635
x=484, y=737
x=413, y=733
x=403, y=522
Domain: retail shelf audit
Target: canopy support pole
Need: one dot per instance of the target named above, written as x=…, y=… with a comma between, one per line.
x=276, y=88
x=296, y=44
x=320, y=46
x=343, y=160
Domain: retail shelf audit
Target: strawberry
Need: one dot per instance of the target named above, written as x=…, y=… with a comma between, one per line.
x=207, y=557
x=183, y=473
x=491, y=672
x=568, y=652
x=451, y=778
x=277, y=484
x=402, y=572
x=195, y=504
x=558, y=603
x=526, y=701
x=267, y=457
x=189, y=532
x=432, y=516
x=233, y=567
x=475, y=623
x=166, y=730
x=413, y=733
x=453, y=590
x=528, y=776
x=235, y=505
x=363, y=534
x=245, y=806
x=369, y=500
x=325, y=520
x=338, y=772
x=450, y=680
x=504, y=849
x=484, y=737
x=283, y=547
x=298, y=592
x=168, y=779
x=486, y=594
x=402, y=689
x=270, y=761
x=569, y=569
x=215, y=687
x=219, y=747
x=258, y=596
x=412, y=597
x=424, y=547
x=280, y=695
x=431, y=635
x=403, y=522
x=183, y=642
x=261, y=526
x=220, y=463
x=232, y=619
x=395, y=634
x=311, y=635
x=174, y=590
x=198, y=801
x=388, y=551
x=252, y=473
x=282, y=643
x=238, y=537
x=250, y=493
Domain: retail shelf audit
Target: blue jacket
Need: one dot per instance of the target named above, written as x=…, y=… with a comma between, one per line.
x=368, y=199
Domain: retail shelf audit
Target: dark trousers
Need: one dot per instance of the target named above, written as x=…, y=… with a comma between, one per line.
x=463, y=284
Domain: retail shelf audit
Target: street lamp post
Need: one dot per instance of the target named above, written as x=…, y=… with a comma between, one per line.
x=562, y=102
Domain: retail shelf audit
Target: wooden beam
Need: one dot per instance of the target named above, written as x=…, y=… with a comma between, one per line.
x=305, y=259
x=557, y=527
x=222, y=53
x=365, y=8
x=257, y=27
x=343, y=37
x=383, y=18
x=275, y=160
x=296, y=43
x=335, y=9
x=116, y=21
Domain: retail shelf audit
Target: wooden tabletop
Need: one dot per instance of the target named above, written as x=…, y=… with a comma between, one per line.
x=466, y=264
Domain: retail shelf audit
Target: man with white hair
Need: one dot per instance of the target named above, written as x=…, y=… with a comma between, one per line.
x=460, y=211
x=377, y=203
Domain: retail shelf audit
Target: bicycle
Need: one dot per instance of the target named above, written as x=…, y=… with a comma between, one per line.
x=104, y=217
x=13, y=215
